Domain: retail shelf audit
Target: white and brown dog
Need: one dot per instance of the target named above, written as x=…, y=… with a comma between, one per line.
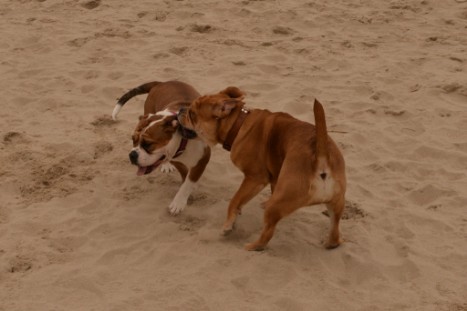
x=299, y=160
x=159, y=139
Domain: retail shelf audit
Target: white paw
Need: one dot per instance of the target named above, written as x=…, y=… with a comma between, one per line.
x=167, y=167
x=177, y=206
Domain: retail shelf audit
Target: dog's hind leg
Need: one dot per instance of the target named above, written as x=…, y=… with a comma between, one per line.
x=335, y=210
x=274, y=211
x=248, y=189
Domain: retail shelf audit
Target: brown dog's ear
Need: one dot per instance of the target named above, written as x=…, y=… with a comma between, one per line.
x=233, y=92
x=224, y=108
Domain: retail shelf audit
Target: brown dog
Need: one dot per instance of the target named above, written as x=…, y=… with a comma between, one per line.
x=299, y=160
x=159, y=139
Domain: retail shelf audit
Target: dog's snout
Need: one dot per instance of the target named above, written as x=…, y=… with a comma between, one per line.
x=133, y=157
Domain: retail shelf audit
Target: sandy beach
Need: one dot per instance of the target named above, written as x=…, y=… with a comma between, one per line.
x=80, y=231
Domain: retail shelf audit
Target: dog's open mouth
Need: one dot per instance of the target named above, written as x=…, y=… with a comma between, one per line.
x=144, y=170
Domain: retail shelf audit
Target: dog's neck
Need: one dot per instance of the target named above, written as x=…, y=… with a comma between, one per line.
x=229, y=127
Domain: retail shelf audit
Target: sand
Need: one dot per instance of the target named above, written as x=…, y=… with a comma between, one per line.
x=80, y=231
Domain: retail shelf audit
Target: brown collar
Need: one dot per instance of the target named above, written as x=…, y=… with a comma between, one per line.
x=227, y=145
x=181, y=148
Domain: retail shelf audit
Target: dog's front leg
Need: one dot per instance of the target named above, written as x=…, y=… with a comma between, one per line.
x=180, y=200
x=190, y=179
x=248, y=189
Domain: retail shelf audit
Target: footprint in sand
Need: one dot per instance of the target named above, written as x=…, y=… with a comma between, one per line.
x=159, y=16
x=20, y=264
x=67, y=244
x=101, y=148
x=352, y=211
x=90, y=5
x=14, y=138
x=201, y=28
x=78, y=42
x=179, y=51
x=281, y=30
x=429, y=194
x=103, y=121
x=160, y=55
x=189, y=223
x=454, y=88
x=4, y=217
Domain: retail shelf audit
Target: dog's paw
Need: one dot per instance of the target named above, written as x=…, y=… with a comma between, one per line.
x=176, y=207
x=227, y=228
x=332, y=244
x=254, y=247
x=167, y=167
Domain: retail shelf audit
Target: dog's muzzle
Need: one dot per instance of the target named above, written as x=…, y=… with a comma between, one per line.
x=133, y=157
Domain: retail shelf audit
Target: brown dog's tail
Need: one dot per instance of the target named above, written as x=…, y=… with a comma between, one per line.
x=321, y=132
x=142, y=89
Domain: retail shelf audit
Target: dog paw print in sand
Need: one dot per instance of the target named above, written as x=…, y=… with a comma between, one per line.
x=429, y=195
x=44, y=183
x=352, y=211
x=66, y=244
x=201, y=198
x=78, y=42
x=454, y=87
x=4, y=215
x=189, y=223
x=19, y=264
x=91, y=5
x=281, y=30
x=201, y=28
x=14, y=138
x=103, y=121
x=101, y=148
x=159, y=16
x=133, y=192
x=179, y=51
x=54, y=178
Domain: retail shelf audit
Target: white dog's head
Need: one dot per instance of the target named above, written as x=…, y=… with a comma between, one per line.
x=151, y=139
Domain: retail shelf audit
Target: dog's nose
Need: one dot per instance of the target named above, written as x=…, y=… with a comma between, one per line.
x=133, y=157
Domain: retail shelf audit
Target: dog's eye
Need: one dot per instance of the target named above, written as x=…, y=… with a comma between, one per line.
x=145, y=145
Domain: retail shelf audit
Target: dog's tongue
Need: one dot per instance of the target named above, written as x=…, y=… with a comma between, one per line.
x=141, y=170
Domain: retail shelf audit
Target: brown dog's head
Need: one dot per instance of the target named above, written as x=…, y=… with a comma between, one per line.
x=205, y=112
x=151, y=139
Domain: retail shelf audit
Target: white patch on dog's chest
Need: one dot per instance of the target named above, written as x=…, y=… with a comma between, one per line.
x=193, y=152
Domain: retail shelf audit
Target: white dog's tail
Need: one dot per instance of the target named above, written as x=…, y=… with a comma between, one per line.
x=142, y=89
